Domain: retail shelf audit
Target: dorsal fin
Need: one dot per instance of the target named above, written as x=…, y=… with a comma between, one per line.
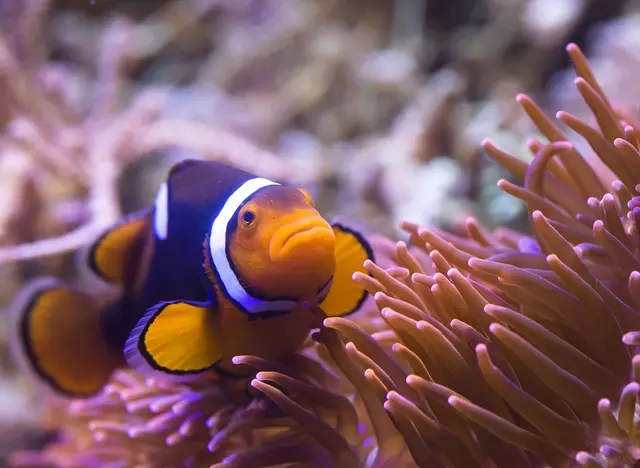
x=111, y=255
x=181, y=165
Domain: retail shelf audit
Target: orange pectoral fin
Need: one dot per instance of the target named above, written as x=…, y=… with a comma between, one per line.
x=110, y=254
x=174, y=338
x=59, y=338
x=352, y=250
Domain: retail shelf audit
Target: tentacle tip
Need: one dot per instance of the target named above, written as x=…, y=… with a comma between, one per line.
x=330, y=321
x=628, y=338
x=579, y=81
x=255, y=383
x=537, y=215
x=486, y=143
x=481, y=348
x=454, y=400
x=582, y=458
x=563, y=146
x=228, y=459
x=398, y=272
x=572, y=47
x=439, y=277
x=452, y=272
x=490, y=309
x=635, y=275
x=521, y=97
x=471, y=222
x=619, y=142
x=632, y=387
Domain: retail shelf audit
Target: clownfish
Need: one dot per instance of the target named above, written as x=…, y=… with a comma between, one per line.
x=219, y=266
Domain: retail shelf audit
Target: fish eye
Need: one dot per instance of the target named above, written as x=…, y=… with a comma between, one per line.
x=248, y=218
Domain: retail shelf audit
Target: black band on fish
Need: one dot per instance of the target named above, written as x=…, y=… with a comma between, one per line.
x=324, y=292
x=221, y=263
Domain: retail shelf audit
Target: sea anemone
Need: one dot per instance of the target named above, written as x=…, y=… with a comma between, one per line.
x=508, y=350
x=136, y=421
x=511, y=350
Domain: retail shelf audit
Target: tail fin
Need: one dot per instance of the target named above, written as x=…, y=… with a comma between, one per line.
x=57, y=337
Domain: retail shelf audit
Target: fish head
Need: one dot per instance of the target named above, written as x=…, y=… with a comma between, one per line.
x=281, y=246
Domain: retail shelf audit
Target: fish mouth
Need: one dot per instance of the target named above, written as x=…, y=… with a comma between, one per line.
x=302, y=233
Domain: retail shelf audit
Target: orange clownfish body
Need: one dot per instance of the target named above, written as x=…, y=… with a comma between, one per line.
x=218, y=267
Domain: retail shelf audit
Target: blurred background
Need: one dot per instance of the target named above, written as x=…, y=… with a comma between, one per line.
x=376, y=107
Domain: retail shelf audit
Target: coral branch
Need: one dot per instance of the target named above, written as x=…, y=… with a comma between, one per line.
x=55, y=246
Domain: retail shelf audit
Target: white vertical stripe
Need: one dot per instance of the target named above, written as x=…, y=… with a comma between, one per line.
x=161, y=212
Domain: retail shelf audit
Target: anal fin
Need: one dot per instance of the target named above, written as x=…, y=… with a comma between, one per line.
x=57, y=329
